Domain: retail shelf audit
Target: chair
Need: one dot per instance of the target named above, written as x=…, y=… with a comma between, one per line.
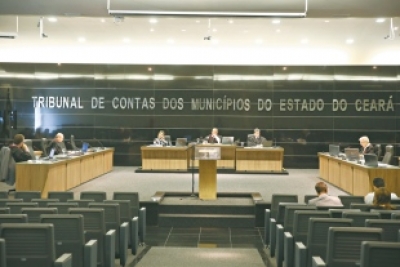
x=276, y=199
x=317, y=240
x=379, y=254
x=347, y=200
x=73, y=145
x=360, y=217
x=300, y=223
x=267, y=218
x=95, y=228
x=30, y=245
x=133, y=197
x=4, y=210
x=338, y=213
x=70, y=238
x=42, y=203
x=62, y=207
x=390, y=228
x=3, y=202
x=44, y=143
x=94, y=196
x=27, y=196
x=113, y=222
x=389, y=148
x=362, y=207
x=16, y=207
x=13, y=218
x=82, y=203
x=2, y=253
x=280, y=217
x=395, y=216
x=142, y=225
x=28, y=143
x=395, y=201
x=387, y=159
x=329, y=207
x=7, y=166
x=308, y=197
x=125, y=214
x=378, y=150
x=61, y=196
x=344, y=245
x=34, y=213
x=386, y=214
x=3, y=195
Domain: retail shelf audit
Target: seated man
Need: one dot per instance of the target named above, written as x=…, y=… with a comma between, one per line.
x=323, y=198
x=213, y=137
x=58, y=144
x=255, y=139
x=377, y=183
x=19, y=151
x=366, y=146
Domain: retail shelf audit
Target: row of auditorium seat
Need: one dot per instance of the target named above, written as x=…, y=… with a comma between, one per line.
x=108, y=225
x=297, y=234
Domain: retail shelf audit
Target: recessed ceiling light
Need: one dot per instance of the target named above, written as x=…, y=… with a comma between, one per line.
x=276, y=21
x=170, y=41
x=81, y=39
x=103, y=20
x=59, y=64
x=183, y=30
x=149, y=69
x=278, y=30
x=396, y=28
x=374, y=67
x=326, y=21
x=349, y=41
x=380, y=20
x=52, y=19
x=304, y=41
x=230, y=21
x=284, y=68
x=126, y=40
x=258, y=41
x=214, y=30
x=153, y=21
x=197, y=21
x=152, y=30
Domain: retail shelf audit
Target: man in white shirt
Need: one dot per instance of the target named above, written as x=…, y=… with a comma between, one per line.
x=213, y=137
x=378, y=183
x=323, y=198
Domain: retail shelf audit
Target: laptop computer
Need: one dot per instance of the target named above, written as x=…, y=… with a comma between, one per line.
x=352, y=154
x=371, y=160
x=227, y=140
x=267, y=143
x=181, y=142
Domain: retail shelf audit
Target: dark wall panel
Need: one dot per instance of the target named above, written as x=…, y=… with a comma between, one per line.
x=302, y=108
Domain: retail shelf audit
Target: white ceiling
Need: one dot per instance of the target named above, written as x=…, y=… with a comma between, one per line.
x=180, y=40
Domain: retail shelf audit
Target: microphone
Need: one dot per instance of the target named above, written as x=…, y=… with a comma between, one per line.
x=101, y=144
x=274, y=142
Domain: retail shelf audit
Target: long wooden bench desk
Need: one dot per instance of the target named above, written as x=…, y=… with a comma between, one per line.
x=356, y=178
x=63, y=174
x=259, y=159
x=164, y=158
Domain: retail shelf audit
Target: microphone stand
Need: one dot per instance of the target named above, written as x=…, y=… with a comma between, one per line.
x=193, y=152
x=101, y=144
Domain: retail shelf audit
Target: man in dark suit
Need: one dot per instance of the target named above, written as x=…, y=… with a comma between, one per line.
x=19, y=150
x=255, y=138
x=58, y=144
x=213, y=138
x=366, y=146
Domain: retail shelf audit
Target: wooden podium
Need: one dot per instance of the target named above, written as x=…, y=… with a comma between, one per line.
x=207, y=157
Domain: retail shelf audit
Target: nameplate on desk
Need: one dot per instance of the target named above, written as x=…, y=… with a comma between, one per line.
x=207, y=153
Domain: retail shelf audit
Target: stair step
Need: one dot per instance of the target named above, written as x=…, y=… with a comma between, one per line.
x=206, y=220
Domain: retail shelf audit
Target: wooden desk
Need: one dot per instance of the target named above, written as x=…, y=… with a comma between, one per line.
x=355, y=178
x=62, y=175
x=228, y=155
x=254, y=159
x=164, y=158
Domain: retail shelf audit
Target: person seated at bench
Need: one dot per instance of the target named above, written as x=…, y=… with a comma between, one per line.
x=382, y=200
x=366, y=146
x=58, y=144
x=161, y=140
x=18, y=149
x=255, y=139
x=323, y=198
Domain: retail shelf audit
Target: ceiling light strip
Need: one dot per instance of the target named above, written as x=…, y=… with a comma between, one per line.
x=209, y=13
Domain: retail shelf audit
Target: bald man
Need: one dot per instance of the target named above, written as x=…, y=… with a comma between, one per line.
x=58, y=144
